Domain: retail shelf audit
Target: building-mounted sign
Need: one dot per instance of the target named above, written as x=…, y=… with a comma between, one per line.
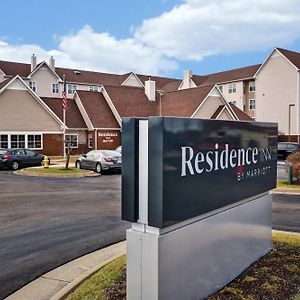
x=197, y=166
x=108, y=139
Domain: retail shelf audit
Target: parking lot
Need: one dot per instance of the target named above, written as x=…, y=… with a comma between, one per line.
x=46, y=222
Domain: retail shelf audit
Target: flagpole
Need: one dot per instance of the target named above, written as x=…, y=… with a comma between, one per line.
x=64, y=118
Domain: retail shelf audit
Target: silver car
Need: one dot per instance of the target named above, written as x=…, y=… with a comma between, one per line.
x=100, y=160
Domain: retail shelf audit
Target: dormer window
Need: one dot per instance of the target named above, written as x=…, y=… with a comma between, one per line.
x=32, y=85
x=94, y=88
x=77, y=72
x=72, y=88
x=54, y=88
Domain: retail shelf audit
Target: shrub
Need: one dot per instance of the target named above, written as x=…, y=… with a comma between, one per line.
x=294, y=159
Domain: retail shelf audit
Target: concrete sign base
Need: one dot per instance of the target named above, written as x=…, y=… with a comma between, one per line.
x=192, y=261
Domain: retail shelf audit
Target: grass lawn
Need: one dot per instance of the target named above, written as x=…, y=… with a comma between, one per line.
x=275, y=276
x=56, y=171
x=284, y=184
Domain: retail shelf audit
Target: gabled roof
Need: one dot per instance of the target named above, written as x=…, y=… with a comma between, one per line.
x=14, y=68
x=88, y=77
x=34, y=95
x=292, y=56
x=242, y=116
x=226, y=76
x=97, y=109
x=183, y=103
x=47, y=66
x=159, y=81
x=73, y=116
x=4, y=83
x=131, y=101
x=171, y=87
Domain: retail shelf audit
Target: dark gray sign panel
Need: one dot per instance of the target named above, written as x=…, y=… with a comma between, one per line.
x=130, y=203
x=197, y=166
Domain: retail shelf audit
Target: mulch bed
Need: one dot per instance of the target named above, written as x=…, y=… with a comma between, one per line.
x=276, y=276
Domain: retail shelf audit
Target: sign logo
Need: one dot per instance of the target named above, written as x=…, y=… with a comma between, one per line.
x=225, y=157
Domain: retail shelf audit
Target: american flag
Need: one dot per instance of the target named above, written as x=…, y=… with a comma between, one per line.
x=64, y=96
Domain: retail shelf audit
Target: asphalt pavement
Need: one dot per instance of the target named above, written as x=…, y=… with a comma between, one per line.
x=286, y=212
x=46, y=222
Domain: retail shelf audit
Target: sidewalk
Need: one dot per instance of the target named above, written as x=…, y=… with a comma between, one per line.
x=61, y=281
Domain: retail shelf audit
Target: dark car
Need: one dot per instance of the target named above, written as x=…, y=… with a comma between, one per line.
x=100, y=160
x=287, y=148
x=19, y=158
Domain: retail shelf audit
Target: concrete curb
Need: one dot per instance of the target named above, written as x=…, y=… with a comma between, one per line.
x=23, y=172
x=286, y=191
x=60, y=282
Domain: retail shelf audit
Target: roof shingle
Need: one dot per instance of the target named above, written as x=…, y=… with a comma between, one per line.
x=98, y=110
x=73, y=115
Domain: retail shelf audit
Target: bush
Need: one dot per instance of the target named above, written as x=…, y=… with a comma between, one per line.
x=294, y=159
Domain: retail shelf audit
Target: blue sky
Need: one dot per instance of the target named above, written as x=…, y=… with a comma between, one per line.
x=151, y=37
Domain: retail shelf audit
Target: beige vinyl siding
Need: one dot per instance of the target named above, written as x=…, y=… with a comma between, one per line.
x=132, y=81
x=224, y=115
x=44, y=79
x=209, y=107
x=238, y=96
x=276, y=88
x=20, y=111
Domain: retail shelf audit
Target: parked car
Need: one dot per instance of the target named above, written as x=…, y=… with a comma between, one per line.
x=100, y=160
x=287, y=148
x=19, y=158
x=119, y=149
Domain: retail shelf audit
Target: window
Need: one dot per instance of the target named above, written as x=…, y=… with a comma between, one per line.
x=4, y=141
x=94, y=88
x=71, y=140
x=17, y=141
x=221, y=88
x=90, y=141
x=55, y=88
x=34, y=141
x=251, y=104
x=72, y=88
x=252, y=86
x=32, y=85
x=231, y=88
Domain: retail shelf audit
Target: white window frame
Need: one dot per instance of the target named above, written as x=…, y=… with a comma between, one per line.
x=72, y=134
x=55, y=88
x=221, y=88
x=71, y=88
x=94, y=88
x=90, y=141
x=26, y=134
x=33, y=85
x=7, y=135
x=27, y=141
x=251, y=105
x=232, y=88
x=253, y=86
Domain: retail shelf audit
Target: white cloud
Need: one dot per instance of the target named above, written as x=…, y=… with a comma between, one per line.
x=199, y=28
x=190, y=31
x=93, y=50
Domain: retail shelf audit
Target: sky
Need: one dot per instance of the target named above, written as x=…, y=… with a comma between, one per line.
x=158, y=37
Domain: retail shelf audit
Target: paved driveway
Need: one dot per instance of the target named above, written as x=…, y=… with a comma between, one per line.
x=45, y=222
